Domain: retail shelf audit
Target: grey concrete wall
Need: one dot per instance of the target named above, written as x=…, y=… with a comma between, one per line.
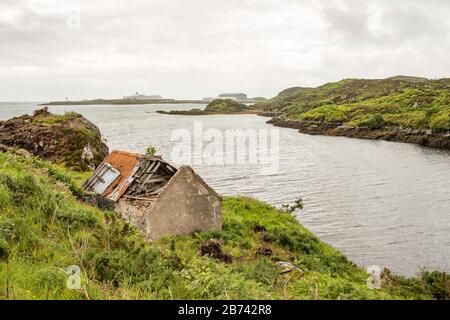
x=135, y=212
x=187, y=205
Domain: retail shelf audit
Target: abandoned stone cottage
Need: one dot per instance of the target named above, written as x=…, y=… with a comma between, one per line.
x=155, y=196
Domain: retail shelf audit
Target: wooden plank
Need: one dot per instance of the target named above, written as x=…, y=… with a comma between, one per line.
x=157, y=191
x=144, y=182
x=141, y=198
x=155, y=180
x=156, y=167
x=148, y=177
x=149, y=167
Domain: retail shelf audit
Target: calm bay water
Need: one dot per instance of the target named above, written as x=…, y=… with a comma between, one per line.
x=381, y=203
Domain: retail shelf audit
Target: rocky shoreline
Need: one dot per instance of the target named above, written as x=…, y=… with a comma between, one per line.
x=425, y=138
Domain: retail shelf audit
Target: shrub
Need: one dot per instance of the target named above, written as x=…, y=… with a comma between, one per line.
x=5, y=196
x=4, y=250
x=150, y=151
x=213, y=249
x=76, y=217
x=431, y=112
x=440, y=121
x=21, y=187
x=50, y=279
x=376, y=121
x=295, y=241
x=226, y=105
x=438, y=284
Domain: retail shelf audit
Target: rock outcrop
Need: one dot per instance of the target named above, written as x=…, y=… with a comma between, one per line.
x=69, y=139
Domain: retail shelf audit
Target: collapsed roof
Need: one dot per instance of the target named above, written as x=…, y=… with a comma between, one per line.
x=130, y=175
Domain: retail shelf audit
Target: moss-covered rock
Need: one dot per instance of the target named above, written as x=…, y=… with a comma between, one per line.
x=69, y=139
x=225, y=105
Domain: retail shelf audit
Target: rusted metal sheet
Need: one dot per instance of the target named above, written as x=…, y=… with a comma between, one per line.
x=122, y=186
x=125, y=173
x=127, y=164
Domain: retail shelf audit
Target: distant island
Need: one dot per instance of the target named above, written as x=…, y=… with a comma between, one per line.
x=217, y=106
x=238, y=97
x=120, y=102
x=138, y=98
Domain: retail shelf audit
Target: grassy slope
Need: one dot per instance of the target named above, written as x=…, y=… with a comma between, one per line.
x=43, y=230
x=402, y=102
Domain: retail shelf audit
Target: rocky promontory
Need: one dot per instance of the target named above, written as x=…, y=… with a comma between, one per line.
x=428, y=138
x=69, y=139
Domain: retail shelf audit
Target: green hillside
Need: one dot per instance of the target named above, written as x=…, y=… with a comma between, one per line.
x=407, y=102
x=44, y=229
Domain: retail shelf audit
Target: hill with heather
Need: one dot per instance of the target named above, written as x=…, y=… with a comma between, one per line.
x=401, y=101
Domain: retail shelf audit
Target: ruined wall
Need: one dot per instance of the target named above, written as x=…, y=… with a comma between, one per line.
x=187, y=205
x=135, y=212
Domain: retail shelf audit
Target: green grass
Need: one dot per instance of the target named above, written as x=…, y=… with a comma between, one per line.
x=44, y=229
x=401, y=102
x=54, y=119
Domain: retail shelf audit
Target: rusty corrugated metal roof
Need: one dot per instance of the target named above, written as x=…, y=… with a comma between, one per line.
x=139, y=176
x=127, y=163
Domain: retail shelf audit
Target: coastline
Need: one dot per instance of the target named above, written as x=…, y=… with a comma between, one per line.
x=426, y=138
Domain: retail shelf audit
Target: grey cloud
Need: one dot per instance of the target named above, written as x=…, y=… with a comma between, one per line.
x=191, y=49
x=400, y=21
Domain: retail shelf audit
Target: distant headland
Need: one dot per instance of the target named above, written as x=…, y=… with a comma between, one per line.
x=138, y=98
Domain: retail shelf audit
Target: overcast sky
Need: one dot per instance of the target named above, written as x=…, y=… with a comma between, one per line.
x=82, y=49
